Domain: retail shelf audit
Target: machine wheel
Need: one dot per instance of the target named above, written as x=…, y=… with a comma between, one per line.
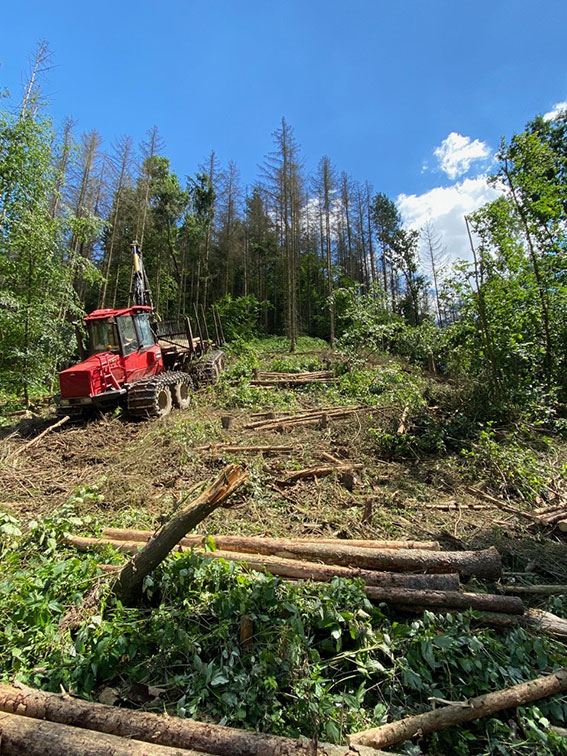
x=163, y=401
x=152, y=398
x=208, y=370
x=182, y=392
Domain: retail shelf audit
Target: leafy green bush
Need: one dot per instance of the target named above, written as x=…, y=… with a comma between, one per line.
x=240, y=317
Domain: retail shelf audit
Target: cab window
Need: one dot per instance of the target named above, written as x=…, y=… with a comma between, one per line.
x=128, y=334
x=144, y=331
x=102, y=336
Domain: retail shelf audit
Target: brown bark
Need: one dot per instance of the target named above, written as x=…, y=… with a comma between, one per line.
x=235, y=449
x=483, y=564
x=481, y=706
x=322, y=573
x=22, y=735
x=131, y=577
x=168, y=733
x=289, y=568
x=226, y=542
x=447, y=599
x=317, y=472
x=538, y=590
x=535, y=620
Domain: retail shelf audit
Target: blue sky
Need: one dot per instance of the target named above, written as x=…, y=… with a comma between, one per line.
x=377, y=85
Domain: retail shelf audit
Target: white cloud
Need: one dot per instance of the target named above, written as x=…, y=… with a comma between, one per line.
x=557, y=110
x=445, y=207
x=457, y=152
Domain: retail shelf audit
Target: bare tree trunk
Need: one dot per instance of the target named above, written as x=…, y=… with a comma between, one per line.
x=124, y=157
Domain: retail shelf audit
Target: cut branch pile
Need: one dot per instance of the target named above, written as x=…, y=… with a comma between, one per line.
x=47, y=724
x=553, y=515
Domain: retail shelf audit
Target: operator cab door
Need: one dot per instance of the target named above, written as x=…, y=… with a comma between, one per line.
x=141, y=356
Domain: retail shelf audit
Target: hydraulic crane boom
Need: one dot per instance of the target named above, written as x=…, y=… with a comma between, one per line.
x=141, y=293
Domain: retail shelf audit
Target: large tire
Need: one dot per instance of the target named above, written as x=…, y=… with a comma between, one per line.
x=209, y=368
x=152, y=398
x=182, y=392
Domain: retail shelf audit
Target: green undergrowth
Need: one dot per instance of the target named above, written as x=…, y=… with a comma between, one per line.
x=321, y=657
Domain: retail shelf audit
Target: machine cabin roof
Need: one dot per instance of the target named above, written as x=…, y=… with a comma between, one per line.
x=110, y=313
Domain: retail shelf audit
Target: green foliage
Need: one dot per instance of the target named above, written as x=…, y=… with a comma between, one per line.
x=509, y=466
x=36, y=277
x=240, y=317
x=322, y=657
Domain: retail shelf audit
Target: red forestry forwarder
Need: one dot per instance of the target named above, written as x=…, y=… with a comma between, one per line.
x=138, y=363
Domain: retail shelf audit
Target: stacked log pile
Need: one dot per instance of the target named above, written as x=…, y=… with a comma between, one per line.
x=290, y=380
x=401, y=573
x=320, y=416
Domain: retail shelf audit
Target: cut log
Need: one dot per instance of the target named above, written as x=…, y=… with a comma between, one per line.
x=485, y=564
x=170, y=732
x=553, y=519
x=226, y=542
x=287, y=383
x=323, y=573
x=23, y=735
x=310, y=416
x=236, y=449
x=447, y=599
x=131, y=577
x=538, y=590
x=457, y=507
x=447, y=716
x=535, y=620
x=317, y=472
x=38, y=438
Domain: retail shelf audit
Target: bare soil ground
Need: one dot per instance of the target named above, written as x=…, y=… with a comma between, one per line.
x=134, y=474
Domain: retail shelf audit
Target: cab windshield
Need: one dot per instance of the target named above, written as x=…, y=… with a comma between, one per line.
x=103, y=336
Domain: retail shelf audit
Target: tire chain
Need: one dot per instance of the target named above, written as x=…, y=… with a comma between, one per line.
x=142, y=395
x=207, y=371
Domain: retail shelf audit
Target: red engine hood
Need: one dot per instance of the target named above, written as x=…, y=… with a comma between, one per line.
x=86, y=378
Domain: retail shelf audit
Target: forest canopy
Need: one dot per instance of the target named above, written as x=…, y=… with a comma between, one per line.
x=323, y=255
